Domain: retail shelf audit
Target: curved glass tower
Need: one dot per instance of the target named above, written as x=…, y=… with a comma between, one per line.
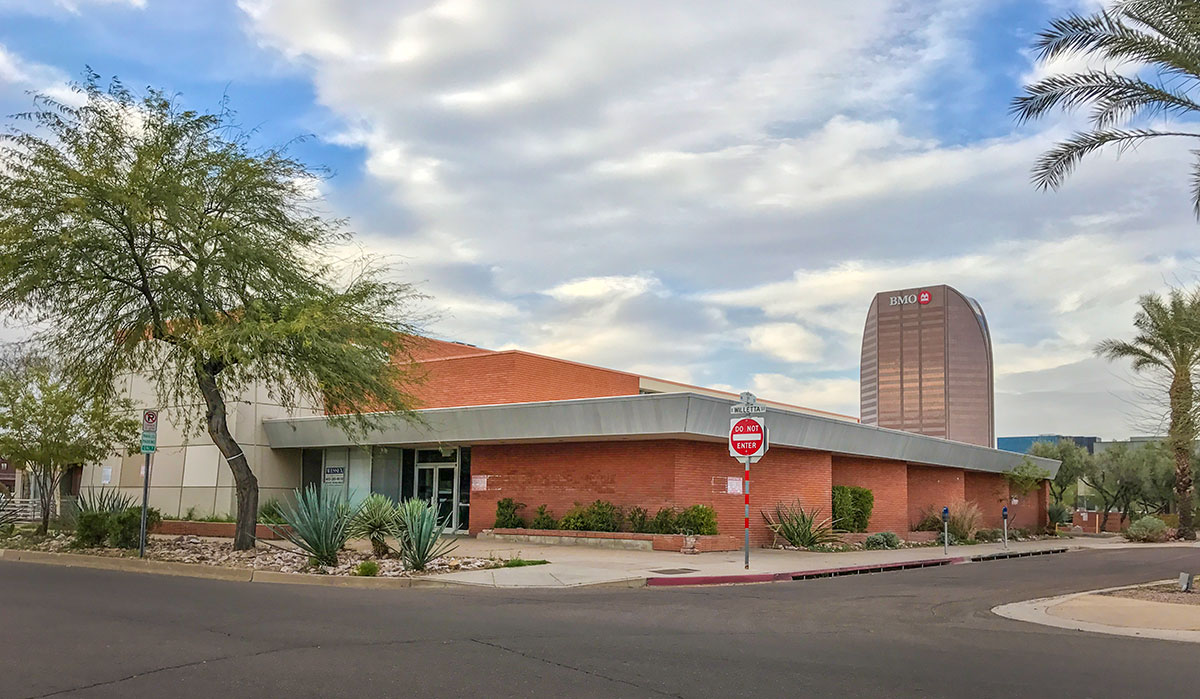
x=927, y=365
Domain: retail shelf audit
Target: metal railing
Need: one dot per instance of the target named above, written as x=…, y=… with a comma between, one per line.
x=28, y=509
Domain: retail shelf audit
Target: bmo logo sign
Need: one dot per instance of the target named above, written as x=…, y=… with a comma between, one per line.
x=922, y=297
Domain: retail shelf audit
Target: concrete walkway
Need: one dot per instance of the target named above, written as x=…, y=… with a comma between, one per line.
x=573, y=566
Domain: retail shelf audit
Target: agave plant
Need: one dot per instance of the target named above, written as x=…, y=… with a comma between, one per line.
x=318, y=524
x=100, y=501
x=420, y=537
x=376, y=520
x=9, y=514
x=800, y=528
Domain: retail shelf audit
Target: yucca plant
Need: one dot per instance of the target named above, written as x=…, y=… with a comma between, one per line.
x=420, y=537
x=376, y=520
x=104, y=501
x=318, y=524
x=800, y=528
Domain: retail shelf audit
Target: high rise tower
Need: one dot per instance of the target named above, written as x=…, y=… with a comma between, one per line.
x=927, y=365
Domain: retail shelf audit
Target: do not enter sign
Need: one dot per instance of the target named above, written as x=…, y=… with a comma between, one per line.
x=747, y=437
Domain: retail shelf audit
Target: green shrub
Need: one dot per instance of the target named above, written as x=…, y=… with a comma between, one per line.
x=864, y=505
x=102, y=500
x=988, y=536
x=519, y=562
x=367, y=569
x=125, y=526
x=603, y=516
x=852, y=507
x=375, y=521
x=91, y=529
x=543, y=520
x=269, y=512
x=639, y=520
x=1058, y=514
x=421, y=540
x=882, y=540
x=799, y=528
x=843, y=507
x=506, y=514
x=1147, y=529
x=954, y=541
x=575, y=519
x=663, y=522
x=697, y=519
x=318, y=524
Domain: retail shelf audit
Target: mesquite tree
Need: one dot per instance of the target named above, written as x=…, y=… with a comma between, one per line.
x=147, y=238
x=49, y=424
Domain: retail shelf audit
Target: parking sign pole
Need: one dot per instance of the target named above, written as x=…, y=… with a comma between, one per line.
x=145, y=499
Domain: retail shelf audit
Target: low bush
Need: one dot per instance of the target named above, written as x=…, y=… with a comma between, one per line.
x=125, y=526
x=698, y=520
x=663, y=522
x=1147, y=529
x=930, y=520
x=91, y=529
x=954, y=540
x=575, y=519
x=639, y=520
x=376, y=521
x=506, y=514
x=269, y=512
x=852, y=507
x=603, y=516
x=519, y=562
x=988, y=536
x=800, y=528
x=882, y=540
x=542, y=519
x=367, y=569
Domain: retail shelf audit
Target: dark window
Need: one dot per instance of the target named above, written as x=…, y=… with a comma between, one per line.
x=464, y=487
x=385, y=471
x=311, y=461
x=407, y=474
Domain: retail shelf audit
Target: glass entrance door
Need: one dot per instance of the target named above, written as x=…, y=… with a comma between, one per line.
x=437, y=483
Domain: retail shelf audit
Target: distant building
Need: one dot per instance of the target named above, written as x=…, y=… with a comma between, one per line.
x=927, y=365
x=1022, y=445
x=1132, y=442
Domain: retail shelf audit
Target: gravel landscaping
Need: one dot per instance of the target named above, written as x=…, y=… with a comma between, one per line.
x=1157, y=593
x=192, y=549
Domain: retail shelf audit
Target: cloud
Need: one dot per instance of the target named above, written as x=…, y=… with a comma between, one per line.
x=713, y=192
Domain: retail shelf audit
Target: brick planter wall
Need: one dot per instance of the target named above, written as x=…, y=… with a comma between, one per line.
x=658, y=542
x=179, y=527
x=1115, y=523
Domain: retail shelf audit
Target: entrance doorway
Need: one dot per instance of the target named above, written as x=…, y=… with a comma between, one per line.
x=438, y=482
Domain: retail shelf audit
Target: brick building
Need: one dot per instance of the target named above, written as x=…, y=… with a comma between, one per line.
x=548, y=431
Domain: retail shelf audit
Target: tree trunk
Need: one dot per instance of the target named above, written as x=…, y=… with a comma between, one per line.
x=243, y=478
x=1181, y=435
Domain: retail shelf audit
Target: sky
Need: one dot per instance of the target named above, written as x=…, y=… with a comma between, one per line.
x=701, y=191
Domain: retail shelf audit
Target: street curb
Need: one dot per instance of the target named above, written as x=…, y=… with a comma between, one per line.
x=1035, y=611
x=195, y=570
x=751, y=578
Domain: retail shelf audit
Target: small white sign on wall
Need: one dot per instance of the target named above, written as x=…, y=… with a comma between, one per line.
x=335, y=475
x=478, y=483
x=106, y=475
x=733, y=486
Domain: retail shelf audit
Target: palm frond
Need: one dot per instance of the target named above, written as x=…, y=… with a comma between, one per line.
x=1053, y=167
x=1115, y=97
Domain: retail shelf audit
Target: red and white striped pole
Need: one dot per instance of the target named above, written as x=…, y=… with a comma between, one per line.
x=746, y=490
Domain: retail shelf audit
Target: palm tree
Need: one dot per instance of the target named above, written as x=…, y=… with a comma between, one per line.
x=1161, y=37
x=1168, y=345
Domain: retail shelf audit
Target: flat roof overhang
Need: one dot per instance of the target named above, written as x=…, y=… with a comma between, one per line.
x=655, y=416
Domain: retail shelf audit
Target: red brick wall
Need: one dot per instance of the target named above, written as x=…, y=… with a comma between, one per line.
x=932, y=485
x=649, y=474
x=888, y=481
x=515, y=377
x=990, y=492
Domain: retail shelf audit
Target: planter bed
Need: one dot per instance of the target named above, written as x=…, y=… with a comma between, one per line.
x=192, y=549
x=617, y=540
x=183, y=527
x=911, y=537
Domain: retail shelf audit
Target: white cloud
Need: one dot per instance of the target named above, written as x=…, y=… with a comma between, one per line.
x=660, y=186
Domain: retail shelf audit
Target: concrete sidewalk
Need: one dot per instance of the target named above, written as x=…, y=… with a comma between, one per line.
x=575, y=566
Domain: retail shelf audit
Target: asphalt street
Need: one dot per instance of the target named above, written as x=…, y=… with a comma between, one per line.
x=90, y=633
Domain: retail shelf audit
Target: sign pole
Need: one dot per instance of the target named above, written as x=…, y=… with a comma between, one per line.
x=149, y=445
x=145, y=499
x=746, y=490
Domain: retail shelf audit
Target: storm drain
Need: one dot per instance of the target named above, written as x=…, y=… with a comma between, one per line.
x=1015, y=554
x=675, y=571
